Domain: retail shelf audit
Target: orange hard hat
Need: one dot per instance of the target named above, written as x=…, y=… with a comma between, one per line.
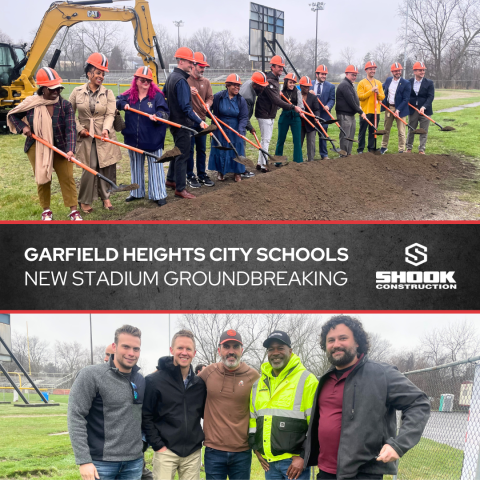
x=351, y=69
x=396, y=66
x=201, y=59
x=98, y=60
x=370, y=64
x=260, y=79
x=144, y=72
x=291, y=76
x=233, y=78
x=185, y=53
x=419, y=66
x=48, y=77
x=305, y=81
x=321, y=69
x=277, y=60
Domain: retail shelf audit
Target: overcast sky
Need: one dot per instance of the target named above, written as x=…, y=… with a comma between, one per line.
x=403, y=331
x=343, y=23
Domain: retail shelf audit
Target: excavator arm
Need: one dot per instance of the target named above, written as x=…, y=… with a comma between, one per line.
x=67, y=14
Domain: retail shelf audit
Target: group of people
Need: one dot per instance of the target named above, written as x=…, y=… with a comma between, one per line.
x=344, y=422
x=83, y=125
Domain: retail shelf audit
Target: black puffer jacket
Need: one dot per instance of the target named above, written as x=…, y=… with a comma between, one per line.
x=171, y=413
x=269, y=101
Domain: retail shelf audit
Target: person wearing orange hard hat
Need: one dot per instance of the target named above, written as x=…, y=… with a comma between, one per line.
x=230, y=107
x=291, y=119
x=143, y=133
x=51, y=117
x=307, y=130
x=397, y=95
x=179, y=99
x=348, y=105
x=268, y=103
x=421, y=97
x=201, y=85
x=325, y=92
x=366, y=90
x=95, y=105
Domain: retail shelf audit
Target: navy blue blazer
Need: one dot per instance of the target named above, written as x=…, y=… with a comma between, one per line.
x=327, y=97
x=402, y=96
x=425, y=96
x=242, y=107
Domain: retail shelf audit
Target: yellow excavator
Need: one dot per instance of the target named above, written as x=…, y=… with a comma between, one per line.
x=18, y=66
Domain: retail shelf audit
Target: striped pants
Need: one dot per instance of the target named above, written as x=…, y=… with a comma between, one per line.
x=156, y=176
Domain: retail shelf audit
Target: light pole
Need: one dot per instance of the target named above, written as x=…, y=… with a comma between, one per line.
x=315, y=8
x=178, y=24
x=405, y=50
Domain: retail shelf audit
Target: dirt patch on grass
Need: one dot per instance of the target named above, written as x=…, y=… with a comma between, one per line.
x=454, y=94
x=360, y=187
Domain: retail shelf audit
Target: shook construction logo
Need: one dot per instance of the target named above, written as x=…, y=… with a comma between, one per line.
x=416, y=254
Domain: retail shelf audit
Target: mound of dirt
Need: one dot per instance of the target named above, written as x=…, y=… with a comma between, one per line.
x=360, y=187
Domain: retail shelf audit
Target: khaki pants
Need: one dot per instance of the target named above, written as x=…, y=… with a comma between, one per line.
x=166, y=464
x=388, y=126
x=64, y=170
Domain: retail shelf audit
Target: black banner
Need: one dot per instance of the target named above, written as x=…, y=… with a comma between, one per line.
x=227, y=267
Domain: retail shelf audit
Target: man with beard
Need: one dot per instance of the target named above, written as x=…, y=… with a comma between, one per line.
x=353, y=431
x=280, y=405
x=229, y=382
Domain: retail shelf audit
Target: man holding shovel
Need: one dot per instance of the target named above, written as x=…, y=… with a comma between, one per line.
x=397, y=95
x=421, y=97
x=179, y=99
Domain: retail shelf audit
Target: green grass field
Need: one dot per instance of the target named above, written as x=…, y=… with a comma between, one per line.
x=18, y=191
x=30, y=448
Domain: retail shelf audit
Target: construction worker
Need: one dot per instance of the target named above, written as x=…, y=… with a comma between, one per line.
x=280, y=405
x=268, y=102
x=370, y=105
x=179, y=99
x=307, y=130
x=325, y=91
x=353, y=428
x=348, y=105
x=397, y=95
x=291, y=119
x=201, y=85
x=421, y=97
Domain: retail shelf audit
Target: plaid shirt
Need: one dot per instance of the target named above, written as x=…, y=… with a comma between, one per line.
x=63, y=120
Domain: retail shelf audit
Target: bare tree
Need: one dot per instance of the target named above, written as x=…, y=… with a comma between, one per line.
x=38, y=350
x=348, y=55
x=380, y=348
x=226, y=41
x=71, y=355
x=206, y=40
x=5, y=38
x=384, y=58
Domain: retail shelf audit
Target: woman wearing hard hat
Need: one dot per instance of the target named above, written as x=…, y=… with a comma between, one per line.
x=50, y=117
x=96, y=112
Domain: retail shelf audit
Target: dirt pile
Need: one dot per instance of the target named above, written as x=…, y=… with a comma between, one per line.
x=360, y=187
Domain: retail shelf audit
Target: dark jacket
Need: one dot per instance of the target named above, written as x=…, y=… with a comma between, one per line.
x=327, y=97
x=242, y=106
x=63, y=122
x=269, y=101
x=312, y=102
x=347, y=99
x=373, y=392
x=140, y=131
x=105, y=414
x=171, y=412
x=402, y=96
x=425, y=96
x=179, y=99
x=250, y=96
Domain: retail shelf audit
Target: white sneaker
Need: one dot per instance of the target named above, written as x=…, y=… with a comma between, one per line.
x=75, y=216
x=47, y=215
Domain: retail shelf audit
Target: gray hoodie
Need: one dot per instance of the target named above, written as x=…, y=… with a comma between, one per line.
x=105, y=414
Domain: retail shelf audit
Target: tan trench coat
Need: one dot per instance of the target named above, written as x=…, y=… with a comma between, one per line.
x=108, y=154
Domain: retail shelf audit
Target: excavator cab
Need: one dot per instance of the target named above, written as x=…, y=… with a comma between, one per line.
x=11, y=57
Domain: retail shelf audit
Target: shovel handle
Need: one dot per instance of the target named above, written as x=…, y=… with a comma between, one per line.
x=306, y=119
x=371, y=124
x=318, y=123
x=168, y=122
x=330, y=115
x=431, y=119
x=239, y=134
x=104, y=139
x=214, y=119
x=400, y=118
x=375, y=93
x=256, y=139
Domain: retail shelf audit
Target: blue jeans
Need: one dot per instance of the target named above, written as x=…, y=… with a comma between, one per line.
x=131, y=470
x=201, y=144
x=220, y=464
x=278, y=471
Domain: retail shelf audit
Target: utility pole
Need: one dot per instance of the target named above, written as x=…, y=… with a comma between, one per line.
x=178, y=24
x=405, y=49
x=315, y=8
x=169, y=338
x=28, y=349
x=91, y=341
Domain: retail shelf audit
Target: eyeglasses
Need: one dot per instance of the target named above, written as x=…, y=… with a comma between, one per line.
x=144, y=80
x=353, y=74
x=135, y=392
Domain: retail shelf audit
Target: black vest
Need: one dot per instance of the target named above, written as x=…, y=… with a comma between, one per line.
x=176, y=113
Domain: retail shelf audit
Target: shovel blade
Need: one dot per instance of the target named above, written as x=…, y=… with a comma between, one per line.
x=381, y=132
x=329, y=122
x=210, y=128
x=220, y=147
x=447, y=129
x=419, y=131
x=123, y=188
x=377, y=152
x=351, y=140
x=169, y=155
x=278, y=158
x=339, y=151
x=245, y=161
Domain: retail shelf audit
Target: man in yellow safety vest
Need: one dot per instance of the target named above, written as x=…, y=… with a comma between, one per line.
x=280, y=405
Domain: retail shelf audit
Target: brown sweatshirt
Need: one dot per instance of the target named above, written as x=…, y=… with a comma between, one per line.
x=227, y=409
x=205, y=90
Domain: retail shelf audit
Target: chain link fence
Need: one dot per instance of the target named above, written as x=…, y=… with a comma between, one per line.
x=450, y=445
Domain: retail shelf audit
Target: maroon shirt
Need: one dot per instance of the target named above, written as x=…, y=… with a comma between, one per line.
x=330, y=402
